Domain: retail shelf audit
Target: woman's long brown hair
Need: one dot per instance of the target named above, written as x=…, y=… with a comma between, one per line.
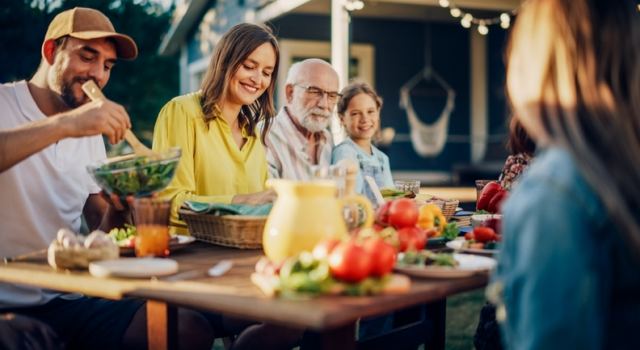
x=574, y=82
x=233, y=48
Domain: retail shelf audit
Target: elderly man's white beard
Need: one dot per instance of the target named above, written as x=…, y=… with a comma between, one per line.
x=313, y=119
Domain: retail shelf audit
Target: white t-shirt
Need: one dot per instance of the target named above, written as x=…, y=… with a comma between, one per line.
x=43, y=193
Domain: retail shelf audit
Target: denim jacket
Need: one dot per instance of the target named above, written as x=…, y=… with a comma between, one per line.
x=565, y=278
x=375, y=165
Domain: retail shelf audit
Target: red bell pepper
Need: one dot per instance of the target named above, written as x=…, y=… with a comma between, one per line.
x=496, y=202
x=487, y=194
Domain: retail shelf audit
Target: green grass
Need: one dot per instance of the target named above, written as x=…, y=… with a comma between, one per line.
x=463, y=312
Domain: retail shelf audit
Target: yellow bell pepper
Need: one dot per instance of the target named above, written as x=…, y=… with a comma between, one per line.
x=430, y=217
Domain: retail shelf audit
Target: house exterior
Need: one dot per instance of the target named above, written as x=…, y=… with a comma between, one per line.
x=389, y=42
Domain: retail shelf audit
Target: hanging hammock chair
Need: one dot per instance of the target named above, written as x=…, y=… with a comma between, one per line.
x=428, y=139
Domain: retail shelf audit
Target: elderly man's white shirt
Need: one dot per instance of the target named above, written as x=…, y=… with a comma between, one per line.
x=287, y=150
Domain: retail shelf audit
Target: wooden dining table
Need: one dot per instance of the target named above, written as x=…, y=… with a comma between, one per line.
x=332, y=319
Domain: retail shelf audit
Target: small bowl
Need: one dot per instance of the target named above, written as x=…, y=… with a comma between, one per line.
x=136, y=175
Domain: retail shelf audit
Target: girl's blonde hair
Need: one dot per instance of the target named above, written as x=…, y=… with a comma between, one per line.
x=573, y=79
x=233, y=48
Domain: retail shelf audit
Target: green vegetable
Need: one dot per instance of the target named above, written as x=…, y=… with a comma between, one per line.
x=121, y=234
x=139, y=176
x=451, y=231
x=425, y=257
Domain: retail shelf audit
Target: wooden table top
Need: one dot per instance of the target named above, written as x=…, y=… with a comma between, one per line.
x=233, y=293
x=463, y=194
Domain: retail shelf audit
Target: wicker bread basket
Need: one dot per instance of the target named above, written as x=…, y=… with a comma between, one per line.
x=448, y=206
x=237, y=231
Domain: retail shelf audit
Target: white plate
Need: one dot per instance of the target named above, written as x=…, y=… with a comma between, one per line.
x=457, y=243
x=178, y=243
x=468, y=265
x=133, y=267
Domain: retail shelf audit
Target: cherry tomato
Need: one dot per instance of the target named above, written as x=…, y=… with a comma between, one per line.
x=382, y=254
x=484, y=234
x=323, y=249
x=349, y=262
x=469, y=236
x=411, y=238
x=403, y=213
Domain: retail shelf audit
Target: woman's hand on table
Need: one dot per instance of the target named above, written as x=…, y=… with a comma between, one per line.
x=268, y=196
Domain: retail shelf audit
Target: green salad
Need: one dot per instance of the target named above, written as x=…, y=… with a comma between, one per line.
x=139, y=176
x=425, y=257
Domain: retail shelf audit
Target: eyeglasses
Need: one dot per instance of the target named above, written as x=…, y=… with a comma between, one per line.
x=318, y=93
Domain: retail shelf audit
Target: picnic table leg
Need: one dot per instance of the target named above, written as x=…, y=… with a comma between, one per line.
x=437, y=313
x=338, y=338
x=162, y=326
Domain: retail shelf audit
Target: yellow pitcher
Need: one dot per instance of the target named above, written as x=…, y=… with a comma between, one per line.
x=304, y=214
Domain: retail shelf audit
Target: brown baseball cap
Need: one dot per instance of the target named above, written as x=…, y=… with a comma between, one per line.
x=85, y=23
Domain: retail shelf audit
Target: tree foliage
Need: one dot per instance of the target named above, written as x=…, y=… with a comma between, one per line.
x=142, y=86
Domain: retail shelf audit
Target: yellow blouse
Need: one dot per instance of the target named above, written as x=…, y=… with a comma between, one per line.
x=212, y=167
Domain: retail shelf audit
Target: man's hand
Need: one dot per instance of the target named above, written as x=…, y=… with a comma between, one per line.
x=268, y=196
x=98, y=117
x=114, y=200
x=105, y=212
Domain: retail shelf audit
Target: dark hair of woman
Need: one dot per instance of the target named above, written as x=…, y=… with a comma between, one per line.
x=231, y=51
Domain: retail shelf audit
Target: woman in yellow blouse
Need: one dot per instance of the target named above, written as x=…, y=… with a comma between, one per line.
x=223, y=160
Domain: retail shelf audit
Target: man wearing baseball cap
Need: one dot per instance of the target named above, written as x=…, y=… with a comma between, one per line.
x=50, y=132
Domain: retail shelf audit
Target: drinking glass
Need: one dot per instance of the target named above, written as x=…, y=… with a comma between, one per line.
x=335, y=173
x=151, y=216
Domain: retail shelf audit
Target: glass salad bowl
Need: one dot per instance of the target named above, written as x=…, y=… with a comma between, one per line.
x=136, y=175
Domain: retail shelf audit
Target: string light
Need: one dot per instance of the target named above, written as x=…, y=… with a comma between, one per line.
x=482, y=28
x=466, y=20
x=353, y=5
x=483, y=24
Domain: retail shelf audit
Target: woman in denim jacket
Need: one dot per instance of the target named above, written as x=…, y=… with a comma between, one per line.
x=568, y=275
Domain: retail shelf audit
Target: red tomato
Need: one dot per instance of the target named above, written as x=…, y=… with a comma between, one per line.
x=403, y=213
x=469, y=236
x=349, y=262
x=382, y=254
x=484, y=234
x=382, y=215
x=411, y=238
x=324, y=248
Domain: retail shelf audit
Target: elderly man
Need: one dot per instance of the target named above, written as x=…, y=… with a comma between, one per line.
x=51, y=132
x=299, y=139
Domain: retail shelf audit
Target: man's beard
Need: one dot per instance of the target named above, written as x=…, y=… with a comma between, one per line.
x=307, y=118
x=66, y=90
x=66, y=93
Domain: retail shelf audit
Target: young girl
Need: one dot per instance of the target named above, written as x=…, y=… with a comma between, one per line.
x=568, y=268
x=223, y=160
x=359, y=111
